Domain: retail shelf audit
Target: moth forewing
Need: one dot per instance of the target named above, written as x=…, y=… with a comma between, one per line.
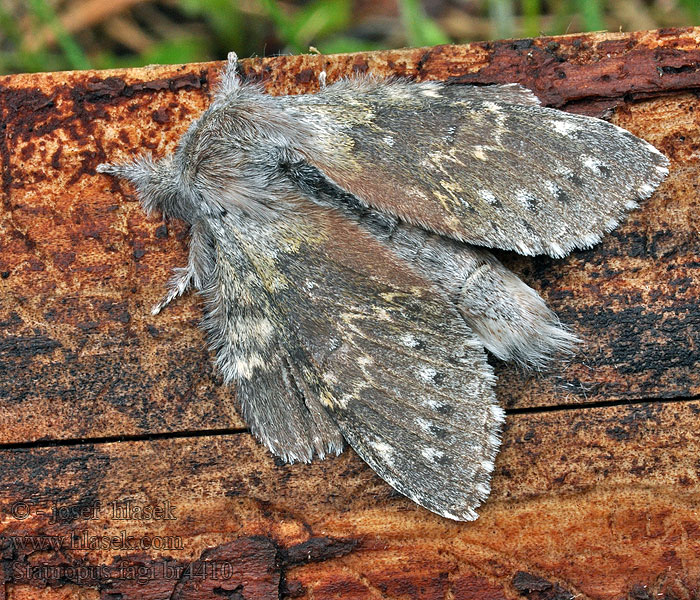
x=355, y=335
x=483, y=165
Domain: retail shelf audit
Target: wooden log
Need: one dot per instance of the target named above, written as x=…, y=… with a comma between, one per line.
x=596, y=490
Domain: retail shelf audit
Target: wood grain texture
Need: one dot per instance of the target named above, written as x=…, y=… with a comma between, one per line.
x=597, y=489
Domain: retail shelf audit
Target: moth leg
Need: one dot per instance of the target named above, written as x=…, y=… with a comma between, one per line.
x=322, y=79
x=198, y=263
x=177, y=286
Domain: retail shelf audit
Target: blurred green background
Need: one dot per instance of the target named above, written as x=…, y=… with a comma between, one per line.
x=49, y=35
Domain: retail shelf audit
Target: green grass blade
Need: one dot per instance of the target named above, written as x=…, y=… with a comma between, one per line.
x=320, y=19
x=284, y=26
x=531, y=17
x=591, y=13
x=501, y=13
x=71, y=50
x=420, y=29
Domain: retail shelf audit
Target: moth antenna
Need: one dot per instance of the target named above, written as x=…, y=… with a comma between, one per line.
x=230, y=81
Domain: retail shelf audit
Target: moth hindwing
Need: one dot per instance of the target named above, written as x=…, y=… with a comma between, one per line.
x=338, y=240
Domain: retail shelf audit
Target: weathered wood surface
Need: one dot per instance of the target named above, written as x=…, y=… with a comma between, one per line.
x=597, y=489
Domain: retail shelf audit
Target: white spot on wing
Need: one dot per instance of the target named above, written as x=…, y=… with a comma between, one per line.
x=483, y=489
x=384, y=450
x=645, y=190
x=243, y=367
x=551, y=187
x=565, y=127
x=433, y=404
x=388, y=140
x=497, y=413
x=564, y=171
x=432, y=454
x=487, y=466
x=448, y=515
x=423, y=424
x=556, y=250
x=591, y=239
x=449, y=135
x=330, y=378
x=592, y=163
x=409, y=341
x=499, y=118
x=525, y=198
x=479, y=153
x=365, y=361
x=381, y=314
x=523, y=248
x=611, y=224
x=427, y=374
x=487, y=196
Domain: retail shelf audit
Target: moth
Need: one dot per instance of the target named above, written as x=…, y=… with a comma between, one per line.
x=339, y=241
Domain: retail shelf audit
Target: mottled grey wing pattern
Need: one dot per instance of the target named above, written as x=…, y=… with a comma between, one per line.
x=284, y=416
x=339, y=321
x=484, y=165
x=391, y=362
x=255, y=347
